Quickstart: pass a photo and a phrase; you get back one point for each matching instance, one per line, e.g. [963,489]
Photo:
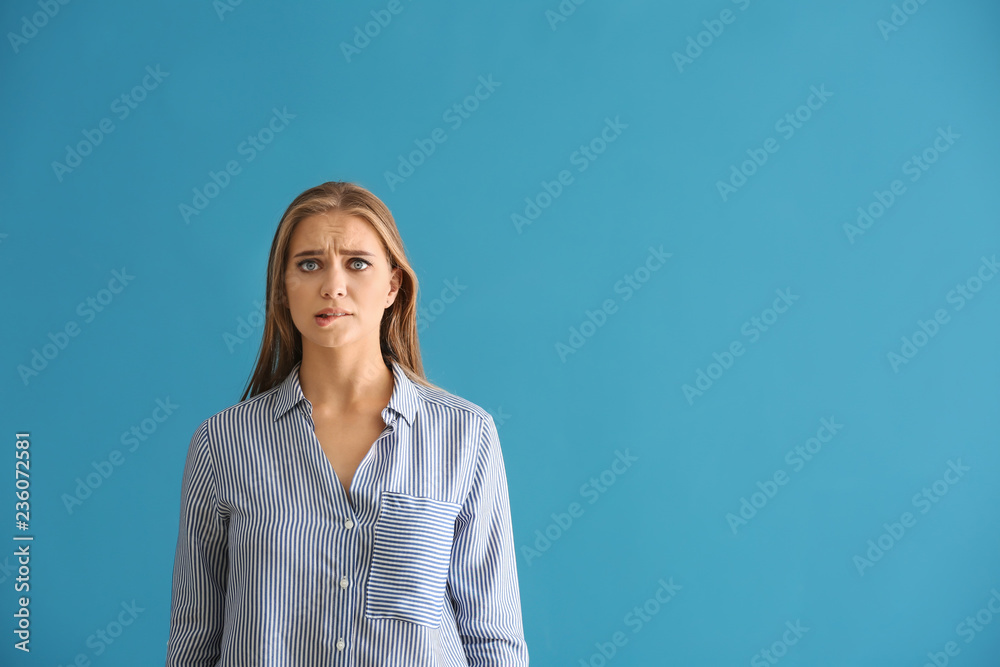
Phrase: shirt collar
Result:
[404,399]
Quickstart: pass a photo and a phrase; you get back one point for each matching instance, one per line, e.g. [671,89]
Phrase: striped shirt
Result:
[275,566]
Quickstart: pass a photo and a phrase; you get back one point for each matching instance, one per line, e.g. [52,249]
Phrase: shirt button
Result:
[343,582]
[348,524]
[340,644]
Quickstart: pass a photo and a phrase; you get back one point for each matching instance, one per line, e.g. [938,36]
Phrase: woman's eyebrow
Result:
[307,253]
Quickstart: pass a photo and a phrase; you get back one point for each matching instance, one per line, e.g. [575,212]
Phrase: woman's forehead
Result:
[334,230]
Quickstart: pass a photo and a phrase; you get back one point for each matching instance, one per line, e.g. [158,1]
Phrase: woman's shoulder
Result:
[440,402]
[245,413]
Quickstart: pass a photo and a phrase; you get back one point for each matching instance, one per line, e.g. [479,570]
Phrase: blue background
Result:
[168,334]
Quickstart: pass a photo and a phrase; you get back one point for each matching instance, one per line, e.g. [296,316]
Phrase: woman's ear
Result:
[395,280]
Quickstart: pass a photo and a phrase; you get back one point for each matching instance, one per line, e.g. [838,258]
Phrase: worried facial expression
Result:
[338,280]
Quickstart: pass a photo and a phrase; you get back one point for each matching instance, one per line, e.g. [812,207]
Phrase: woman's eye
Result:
[311,265]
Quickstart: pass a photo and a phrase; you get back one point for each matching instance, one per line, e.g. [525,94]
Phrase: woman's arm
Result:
[482,577]
[197,610]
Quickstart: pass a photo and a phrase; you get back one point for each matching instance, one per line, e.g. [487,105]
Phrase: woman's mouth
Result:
[327,319]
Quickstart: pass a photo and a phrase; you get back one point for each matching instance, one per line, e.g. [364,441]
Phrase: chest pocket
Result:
[411,554]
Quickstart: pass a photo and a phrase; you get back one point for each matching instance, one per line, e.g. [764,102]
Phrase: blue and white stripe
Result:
[276,567]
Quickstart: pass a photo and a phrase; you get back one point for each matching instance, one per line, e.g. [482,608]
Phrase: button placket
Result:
[350,541]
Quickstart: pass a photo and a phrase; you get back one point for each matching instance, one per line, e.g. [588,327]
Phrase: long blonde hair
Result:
[281,344]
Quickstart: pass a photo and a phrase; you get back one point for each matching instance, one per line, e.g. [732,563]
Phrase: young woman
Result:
[346,511]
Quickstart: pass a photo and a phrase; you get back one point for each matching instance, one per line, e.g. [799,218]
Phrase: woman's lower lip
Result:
[327,321]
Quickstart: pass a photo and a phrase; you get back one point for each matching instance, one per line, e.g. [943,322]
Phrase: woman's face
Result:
[337,261]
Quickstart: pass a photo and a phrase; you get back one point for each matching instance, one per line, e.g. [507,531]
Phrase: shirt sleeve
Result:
[197,608]
[482,577]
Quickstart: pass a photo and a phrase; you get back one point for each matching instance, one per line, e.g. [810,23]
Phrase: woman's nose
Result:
[334,278]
